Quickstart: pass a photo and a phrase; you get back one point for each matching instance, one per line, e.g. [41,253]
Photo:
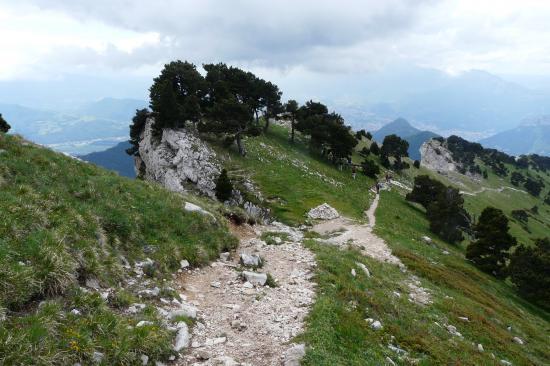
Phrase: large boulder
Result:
[179,161]
[323,212]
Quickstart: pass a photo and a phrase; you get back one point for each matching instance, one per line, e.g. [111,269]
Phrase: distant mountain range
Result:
[402,128]
[92,127]
[114,158]
[532,136]
[471,104]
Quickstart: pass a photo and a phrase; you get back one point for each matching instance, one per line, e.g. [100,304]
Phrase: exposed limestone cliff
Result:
[437,157]
[181,161]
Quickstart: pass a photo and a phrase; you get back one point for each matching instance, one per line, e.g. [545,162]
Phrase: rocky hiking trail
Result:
[239,319]
[342,232]
[248,305]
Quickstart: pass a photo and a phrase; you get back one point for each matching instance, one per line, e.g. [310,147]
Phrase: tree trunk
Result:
[266,126]
[240,144]
[257,117]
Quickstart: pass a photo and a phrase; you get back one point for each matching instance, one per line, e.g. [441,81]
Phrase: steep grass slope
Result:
[66,224]
[480,307]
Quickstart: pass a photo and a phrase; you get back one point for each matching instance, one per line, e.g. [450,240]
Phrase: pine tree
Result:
[489,251]
[224,187]
[529,270]
[370,168]
[374,148]
[136,128]
[4,126]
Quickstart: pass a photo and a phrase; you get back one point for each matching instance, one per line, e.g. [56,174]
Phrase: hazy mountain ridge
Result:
[114,158]
[402,128]
[92,127]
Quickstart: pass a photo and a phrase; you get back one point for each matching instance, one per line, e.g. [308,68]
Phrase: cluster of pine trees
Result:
[232,103]
[492,246]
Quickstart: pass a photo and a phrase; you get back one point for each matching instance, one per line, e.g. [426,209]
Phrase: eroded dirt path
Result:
[241,324]
[343,232]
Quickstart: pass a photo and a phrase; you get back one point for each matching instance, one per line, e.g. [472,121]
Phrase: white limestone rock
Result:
[182,337]
[323,212]
[294,355]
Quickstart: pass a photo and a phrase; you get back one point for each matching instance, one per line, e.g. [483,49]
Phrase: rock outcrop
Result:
[436,156]
[180,161]
[323,212]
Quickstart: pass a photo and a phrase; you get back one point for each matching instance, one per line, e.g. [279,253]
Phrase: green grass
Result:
[292,180]
[64,221]
[336,331]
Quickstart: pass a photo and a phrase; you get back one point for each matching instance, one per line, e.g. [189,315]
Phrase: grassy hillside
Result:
[337,333]
[65,222]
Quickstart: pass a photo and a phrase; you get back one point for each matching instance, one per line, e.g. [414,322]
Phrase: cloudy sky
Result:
[286,41]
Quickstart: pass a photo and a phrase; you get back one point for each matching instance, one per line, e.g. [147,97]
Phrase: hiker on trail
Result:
[387,177]
[353,171]
[377,188]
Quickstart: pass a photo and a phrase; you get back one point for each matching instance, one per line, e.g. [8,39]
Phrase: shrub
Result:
[374,148]
[533,187]
[224,187]
[370,168]
[489,251]
[4,126]
[520,215]
[517,178]
[529,270]
[416,164]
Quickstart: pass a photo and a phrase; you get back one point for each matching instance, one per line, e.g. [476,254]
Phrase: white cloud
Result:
[43,38]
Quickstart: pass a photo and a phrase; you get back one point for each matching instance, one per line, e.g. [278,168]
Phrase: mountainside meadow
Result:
[68,227]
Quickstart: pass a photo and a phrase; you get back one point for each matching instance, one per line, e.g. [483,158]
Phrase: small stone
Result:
[505,363]
[390,361]
[224,256]
[294,355]
[182,337]
[184,264]
[376,325]
[186,310]
[202,354]
[480,347]
[464,319]
[518,340]
[143,323]
[363,268]
[215,284]
[250,260]
[97,357]
[277,240]
[427,239]
[144,360]
[248,285]
[224,361]
[92,283]
[255,278]
[75,312]
[353,272]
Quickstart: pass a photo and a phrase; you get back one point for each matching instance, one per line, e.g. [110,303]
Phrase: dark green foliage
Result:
[447,216]
[416,164]
[4,126]
[489,250]
[485,175]
[224,187]
[385,161]
[365,151]
[327,131]
[444,207]
[136,128]
[360,134]
[520,215]
[374,148]
[425,190]
[535,209]
[395,146]
[369,136]
[370,168]
[269,100]
[517,178]
[533,187]
[176,95]
[547,199]
[291,107]
[529,270]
